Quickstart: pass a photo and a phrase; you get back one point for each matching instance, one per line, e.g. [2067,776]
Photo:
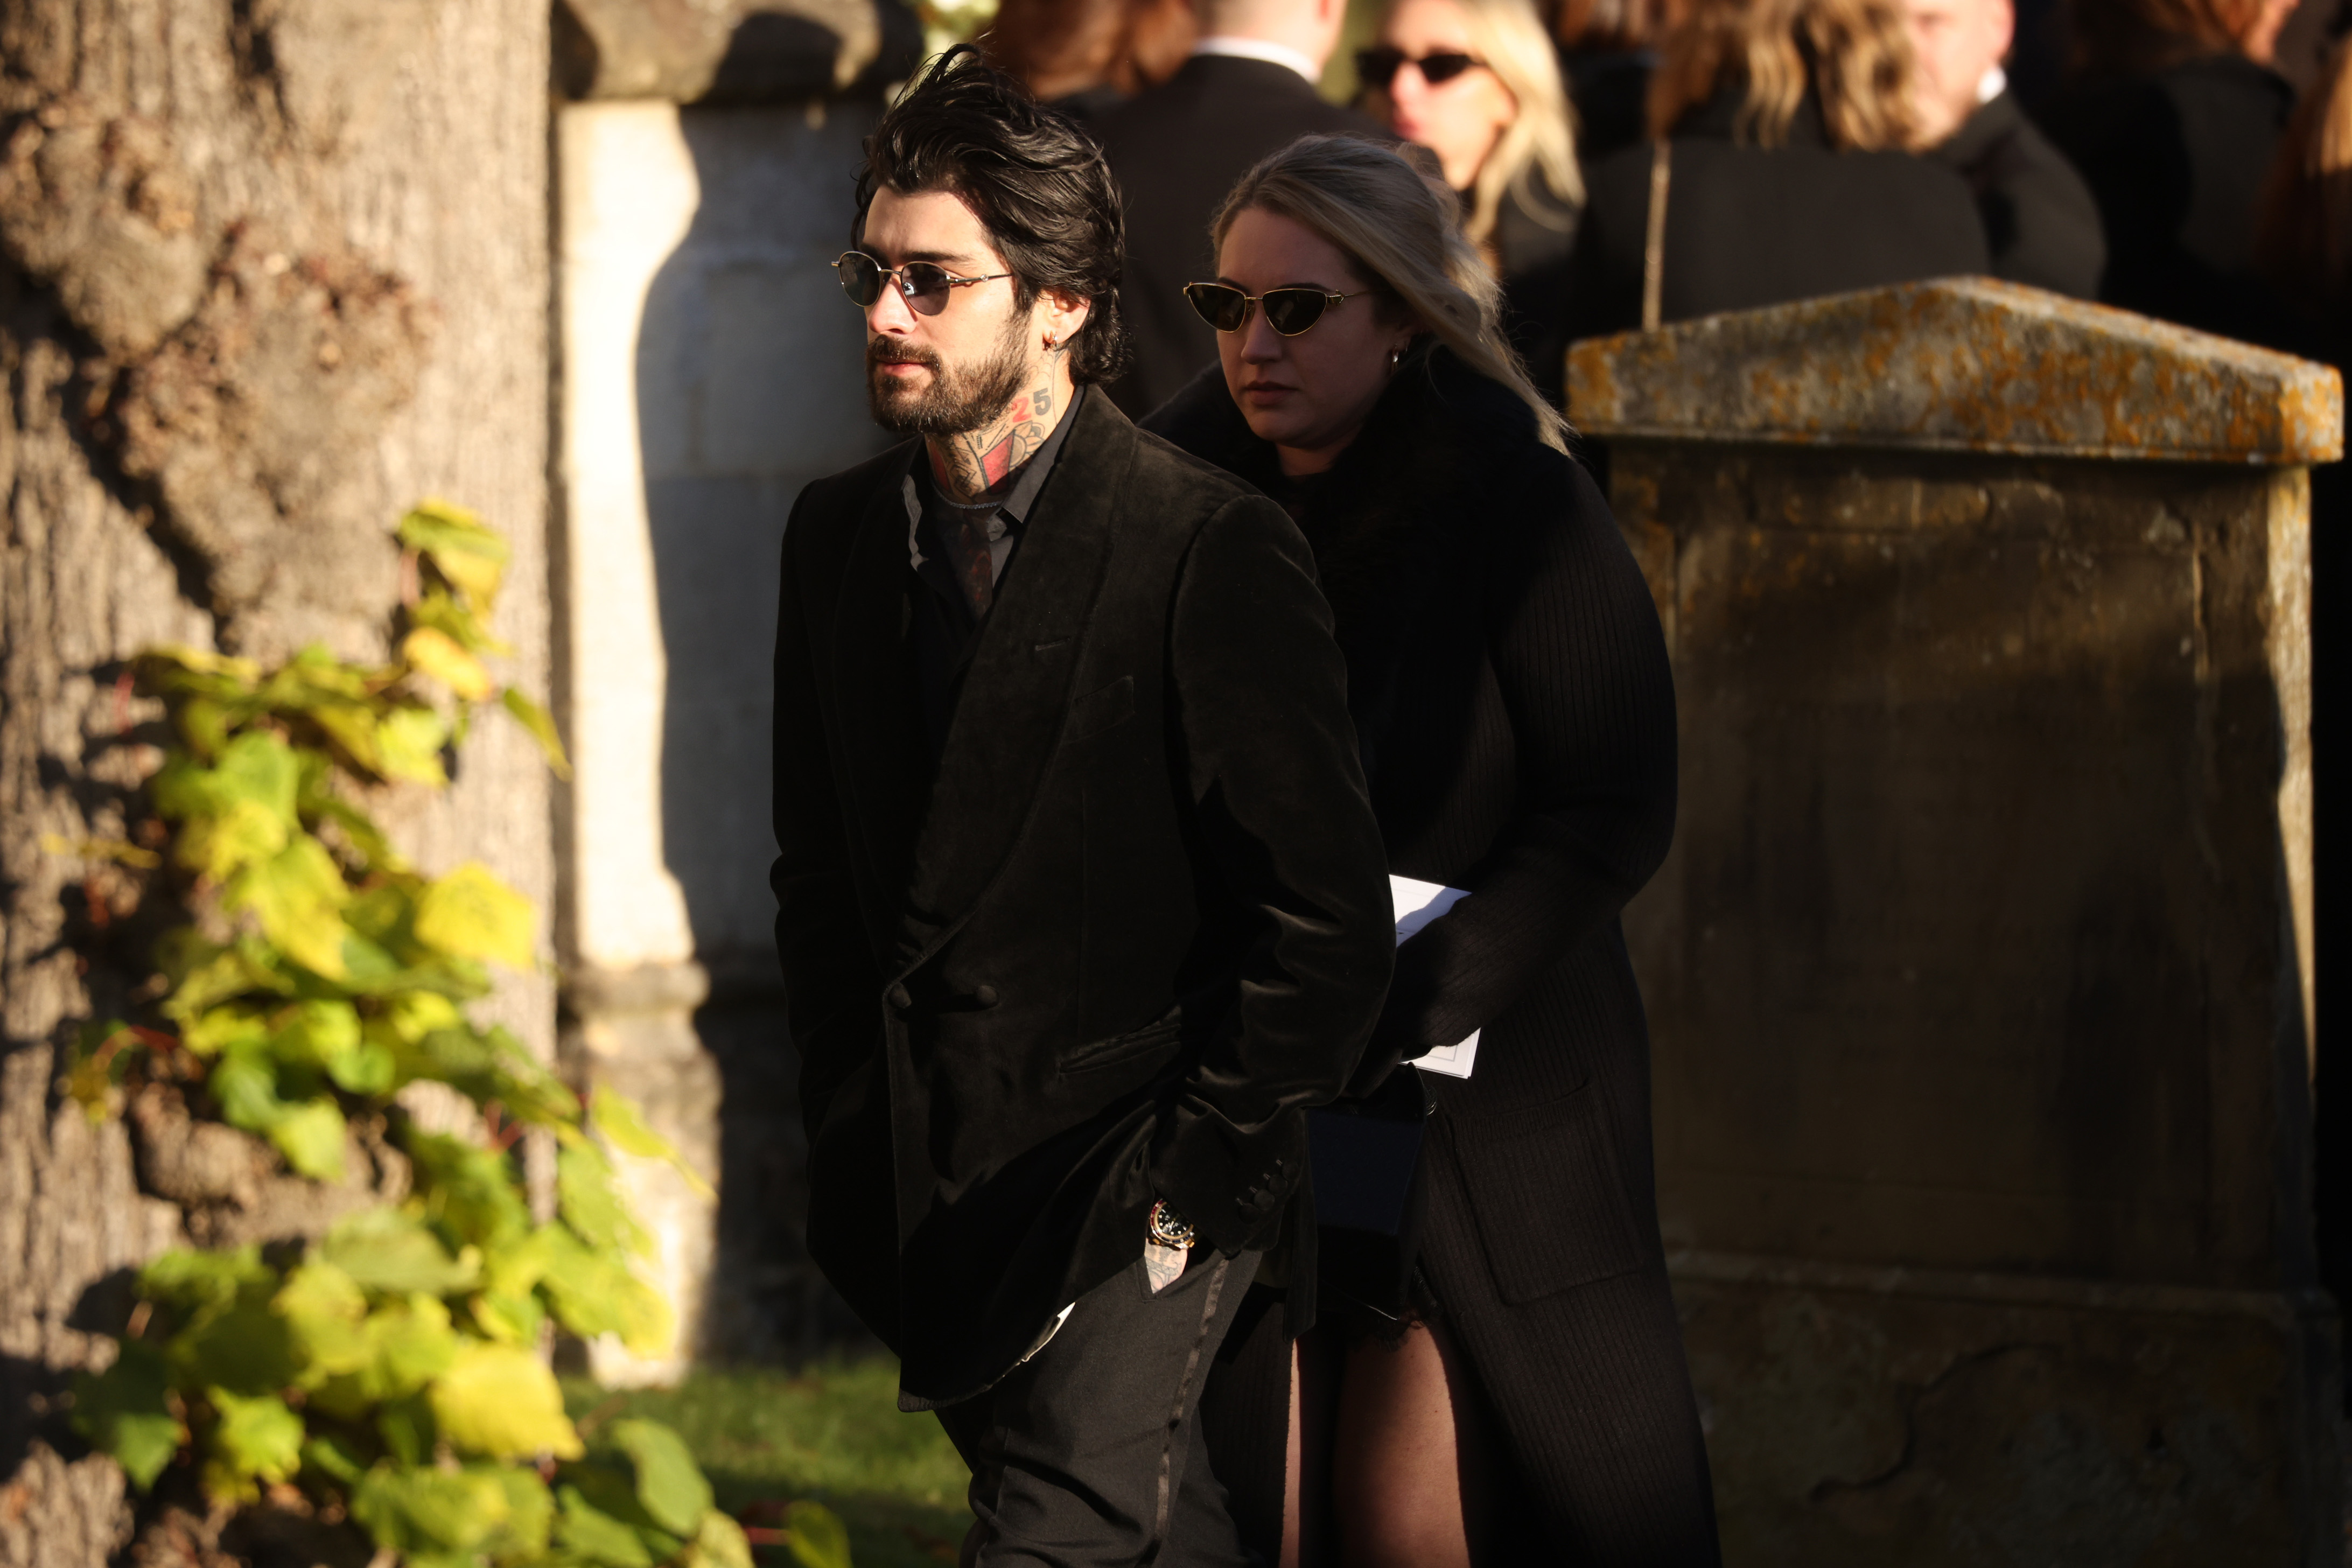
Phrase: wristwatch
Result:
[1168,1229]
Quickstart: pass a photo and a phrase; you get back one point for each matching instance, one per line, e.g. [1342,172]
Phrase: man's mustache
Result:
[884,351]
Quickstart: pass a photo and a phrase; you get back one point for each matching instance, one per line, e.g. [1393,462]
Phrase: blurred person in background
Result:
[1606,53]
[1780,173]
[1477,82]
[1176,150]
[2039,221]
[1082,57]
[2173,115]
[1516,1394]
[2303,239]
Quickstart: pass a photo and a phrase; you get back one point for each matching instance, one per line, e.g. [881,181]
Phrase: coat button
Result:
[899,997]
[986,995]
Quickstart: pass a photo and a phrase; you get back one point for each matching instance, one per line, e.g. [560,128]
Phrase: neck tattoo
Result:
[969,466]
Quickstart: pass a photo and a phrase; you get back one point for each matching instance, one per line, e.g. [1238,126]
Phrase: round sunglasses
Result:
[1289,312]
[924,285]
[1377,68]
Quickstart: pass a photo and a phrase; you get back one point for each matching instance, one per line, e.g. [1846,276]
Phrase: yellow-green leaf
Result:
[121,851]
[126,1411]
[501,1401]
[422,1511]
[542,726]
[326,1313]
[256,1438]
[408,745]
[469,913]
[437,654]
[616,1118]
[471,556]
[396,1253]
[311,1135]
[815,1536]
[298,896]
[218,848]
[721,1542]
[669,1484]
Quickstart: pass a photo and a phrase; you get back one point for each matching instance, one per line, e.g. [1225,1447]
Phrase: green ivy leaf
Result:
[471,556]
[437,654]
[328,1455]
[326,1314]
[311,1135]
[246,1348]
[226,1028]
[617,1118]
[414,1510]
[585,1198]
[500,1400]
[245,833]
[298,895]
[126,1411]
[256,1439]
[593,1292]
[815,1536]
[669,1484]
[395,1253]
[721,1542]
[469,913]
[408,1345]
[469,1192]
[188,1281]
[316,1034]
[541,728]
[593,1535]
[410,740]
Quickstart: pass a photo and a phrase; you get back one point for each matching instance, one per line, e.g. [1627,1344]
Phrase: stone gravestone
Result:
[1980,976]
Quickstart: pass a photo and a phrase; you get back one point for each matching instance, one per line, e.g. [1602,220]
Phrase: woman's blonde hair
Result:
[1510,38]
[1855,56]
[1401,227]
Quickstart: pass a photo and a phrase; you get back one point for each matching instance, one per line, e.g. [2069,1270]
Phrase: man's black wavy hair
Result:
[1036,183]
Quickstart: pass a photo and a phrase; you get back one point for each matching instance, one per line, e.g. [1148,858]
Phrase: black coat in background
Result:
[1512,696]
[2040,219]
[2176,158]
[1133,923]
[1177,150]
[1536,248]
[1748,226]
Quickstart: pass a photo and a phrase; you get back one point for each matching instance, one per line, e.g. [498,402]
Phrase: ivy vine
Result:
[389,1371]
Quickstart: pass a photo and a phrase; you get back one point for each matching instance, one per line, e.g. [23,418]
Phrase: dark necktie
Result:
[975,571]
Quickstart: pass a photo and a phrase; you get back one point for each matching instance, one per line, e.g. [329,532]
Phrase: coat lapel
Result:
[886,775]
[1016,694]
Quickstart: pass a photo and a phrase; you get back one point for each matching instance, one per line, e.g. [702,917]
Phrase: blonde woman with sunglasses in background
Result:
[1494,1373]
[1477,83]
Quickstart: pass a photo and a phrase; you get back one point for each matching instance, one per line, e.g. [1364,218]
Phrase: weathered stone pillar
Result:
[708,368]
[1979,977]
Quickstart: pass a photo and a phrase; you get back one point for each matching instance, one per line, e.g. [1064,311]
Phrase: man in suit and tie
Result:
[1178,148]
[1080,899]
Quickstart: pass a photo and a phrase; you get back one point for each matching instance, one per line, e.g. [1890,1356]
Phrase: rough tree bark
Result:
[268,270]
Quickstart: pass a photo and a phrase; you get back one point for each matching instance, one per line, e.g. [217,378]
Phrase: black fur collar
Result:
[1415,487]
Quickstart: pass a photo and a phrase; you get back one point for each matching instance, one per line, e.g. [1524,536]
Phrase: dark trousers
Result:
[1088,1454]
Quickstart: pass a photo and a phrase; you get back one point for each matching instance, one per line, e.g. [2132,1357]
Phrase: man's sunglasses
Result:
[1377,68]
[1289,312]
[924,285]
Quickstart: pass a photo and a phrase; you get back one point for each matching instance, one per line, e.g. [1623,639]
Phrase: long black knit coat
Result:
[1516,713]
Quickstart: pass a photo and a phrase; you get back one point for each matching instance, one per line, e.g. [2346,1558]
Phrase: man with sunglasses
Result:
[1080,899]
[1177,149]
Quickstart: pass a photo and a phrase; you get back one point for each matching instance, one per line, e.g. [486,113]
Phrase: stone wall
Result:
[709,367]
[1979,976]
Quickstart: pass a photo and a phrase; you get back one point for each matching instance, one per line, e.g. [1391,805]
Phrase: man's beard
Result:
[957,400]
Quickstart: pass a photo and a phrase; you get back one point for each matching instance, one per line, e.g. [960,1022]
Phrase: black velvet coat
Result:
[1512,695]
[1136,921]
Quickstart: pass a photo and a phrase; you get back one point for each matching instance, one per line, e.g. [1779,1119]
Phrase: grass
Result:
[831,1431]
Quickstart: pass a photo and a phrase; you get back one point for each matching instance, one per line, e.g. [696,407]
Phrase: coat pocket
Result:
[1152,1040]
[1549,1196]
[1104,708]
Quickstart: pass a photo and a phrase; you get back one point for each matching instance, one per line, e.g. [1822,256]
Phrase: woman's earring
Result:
[1396,358]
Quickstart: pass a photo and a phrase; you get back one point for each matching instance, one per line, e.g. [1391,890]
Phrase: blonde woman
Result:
[1776,171]
[1477,83]
[1496,1375]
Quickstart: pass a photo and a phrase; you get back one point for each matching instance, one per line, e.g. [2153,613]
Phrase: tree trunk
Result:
[270,270]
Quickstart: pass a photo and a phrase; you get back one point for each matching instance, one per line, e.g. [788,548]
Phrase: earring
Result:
[1396,358]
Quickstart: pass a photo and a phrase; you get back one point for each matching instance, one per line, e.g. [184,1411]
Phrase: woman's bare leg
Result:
[1408,1455]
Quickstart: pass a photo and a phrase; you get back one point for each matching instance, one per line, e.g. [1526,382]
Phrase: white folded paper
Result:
[1417,904]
